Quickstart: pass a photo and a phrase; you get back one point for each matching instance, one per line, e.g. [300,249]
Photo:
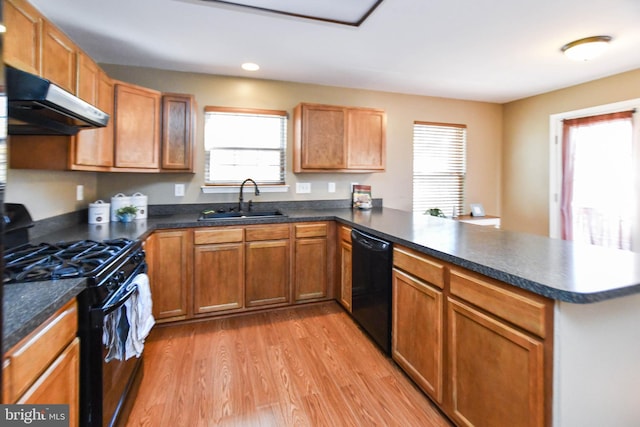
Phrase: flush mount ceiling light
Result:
[352,12]
[587,48]
[250,66]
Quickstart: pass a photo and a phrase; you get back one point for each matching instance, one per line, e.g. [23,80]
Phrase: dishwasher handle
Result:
[370,242]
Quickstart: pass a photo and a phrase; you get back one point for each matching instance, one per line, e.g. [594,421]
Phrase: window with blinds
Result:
[439,167]
[244,143]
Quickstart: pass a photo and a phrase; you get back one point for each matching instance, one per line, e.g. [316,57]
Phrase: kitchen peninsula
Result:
[594,293]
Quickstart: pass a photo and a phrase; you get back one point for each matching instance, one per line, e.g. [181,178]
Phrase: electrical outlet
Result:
[352,184]
[178,190]
[331,187]
[303,187]
[80,192]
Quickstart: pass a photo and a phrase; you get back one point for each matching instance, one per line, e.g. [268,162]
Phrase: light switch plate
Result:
[303,187]
[331,188]
[80,192]
[179,190]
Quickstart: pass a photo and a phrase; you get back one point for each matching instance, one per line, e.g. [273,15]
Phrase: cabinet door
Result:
[87,81]
[366,136]
[59,384]
[93,148]
[137,127]
[496,372]
[168,258]
[417,332]
[345,275]
[218,277]
[310,269]
[22,40]
[177,132]
[58,57]
[267,272]
[320,141]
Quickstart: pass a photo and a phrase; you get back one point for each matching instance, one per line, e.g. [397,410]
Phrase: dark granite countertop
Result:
[553,268]
[27,305]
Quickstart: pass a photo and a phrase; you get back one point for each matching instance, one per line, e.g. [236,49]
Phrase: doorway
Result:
[594,180]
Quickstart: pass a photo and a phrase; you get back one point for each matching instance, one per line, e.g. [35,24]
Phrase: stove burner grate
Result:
[61,260]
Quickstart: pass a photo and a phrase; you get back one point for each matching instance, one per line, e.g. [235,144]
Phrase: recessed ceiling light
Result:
[250,66]
[587,48]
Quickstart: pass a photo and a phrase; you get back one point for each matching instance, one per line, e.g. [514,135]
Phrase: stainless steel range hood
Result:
[39,107]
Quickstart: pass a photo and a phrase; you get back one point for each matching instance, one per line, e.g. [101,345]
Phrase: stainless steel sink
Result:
[209,215]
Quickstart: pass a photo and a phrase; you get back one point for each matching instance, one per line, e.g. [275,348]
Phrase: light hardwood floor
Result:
[304,366]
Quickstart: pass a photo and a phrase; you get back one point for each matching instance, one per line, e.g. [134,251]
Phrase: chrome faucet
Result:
[240,199]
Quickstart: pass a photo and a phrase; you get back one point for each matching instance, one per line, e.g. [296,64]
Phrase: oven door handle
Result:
[98,314]
[109,308]
[131,287]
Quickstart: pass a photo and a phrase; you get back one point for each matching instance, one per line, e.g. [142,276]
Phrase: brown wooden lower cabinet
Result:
[417,344]
[344,266]
[169,260]
[218,281]
[311,269]
[267,273]
[43,368]
[207,271]
[311,261]
[59,384]
[481,349]
[496,372]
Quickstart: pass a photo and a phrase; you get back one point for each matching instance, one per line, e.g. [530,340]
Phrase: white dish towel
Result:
[140,317]
[111,337]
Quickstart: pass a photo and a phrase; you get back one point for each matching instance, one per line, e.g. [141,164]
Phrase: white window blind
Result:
[439,167]
[244,143]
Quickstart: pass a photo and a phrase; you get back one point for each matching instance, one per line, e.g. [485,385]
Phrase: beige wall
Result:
[484,121]
[525,155]
[49,193]
[508,151]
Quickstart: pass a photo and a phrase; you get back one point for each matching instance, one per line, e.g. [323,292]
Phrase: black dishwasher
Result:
[371,286]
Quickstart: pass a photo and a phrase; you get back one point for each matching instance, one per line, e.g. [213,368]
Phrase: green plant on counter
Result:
[132,210]
[435,212]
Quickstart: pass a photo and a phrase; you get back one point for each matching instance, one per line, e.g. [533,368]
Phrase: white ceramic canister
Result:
[118,201]
[98,212]
[139,200]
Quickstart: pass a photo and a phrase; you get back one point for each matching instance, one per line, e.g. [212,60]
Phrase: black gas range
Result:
[111,268]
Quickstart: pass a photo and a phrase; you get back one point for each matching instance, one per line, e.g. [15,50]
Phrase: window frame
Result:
[211,186]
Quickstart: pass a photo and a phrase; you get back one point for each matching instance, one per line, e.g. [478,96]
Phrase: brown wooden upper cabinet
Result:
[35,45]
[338,139]
[147,132]
[23,36]
[177,131]
[93,149]
[137,127]
[58,57]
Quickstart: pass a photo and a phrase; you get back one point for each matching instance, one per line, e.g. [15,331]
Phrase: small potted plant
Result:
[435,212]
[127,213]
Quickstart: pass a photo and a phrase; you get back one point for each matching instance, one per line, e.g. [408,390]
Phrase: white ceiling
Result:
[491,50]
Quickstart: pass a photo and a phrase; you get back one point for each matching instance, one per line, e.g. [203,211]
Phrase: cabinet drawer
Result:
[271,232]
[31,357]
[345,234]
[311,230]
[225,235]
[526,311]
[419,265]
